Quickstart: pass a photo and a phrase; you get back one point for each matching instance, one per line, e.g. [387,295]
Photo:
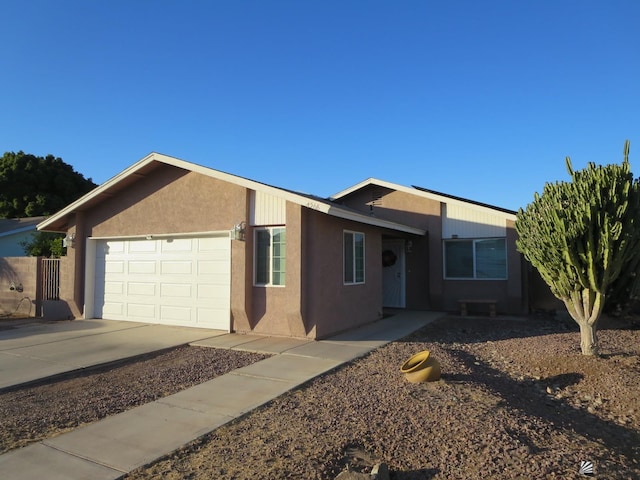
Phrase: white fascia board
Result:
[243,182]
[358,186]
[44,224]
[420,193]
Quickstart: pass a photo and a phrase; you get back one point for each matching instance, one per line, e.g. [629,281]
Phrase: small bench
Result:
[464,311]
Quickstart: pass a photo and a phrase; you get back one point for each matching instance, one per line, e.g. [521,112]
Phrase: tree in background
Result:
[32,186]
[583,236]
[44,244]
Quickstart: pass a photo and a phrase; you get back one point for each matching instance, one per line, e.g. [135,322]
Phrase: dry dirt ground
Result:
[516,401]
[31,414]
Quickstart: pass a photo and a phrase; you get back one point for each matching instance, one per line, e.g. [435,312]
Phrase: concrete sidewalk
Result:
[109,448]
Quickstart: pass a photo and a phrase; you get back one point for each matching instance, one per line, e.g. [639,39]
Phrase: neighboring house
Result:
[13,231]
[167,241]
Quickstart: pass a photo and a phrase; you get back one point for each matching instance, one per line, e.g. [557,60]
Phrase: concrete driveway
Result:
[36,350]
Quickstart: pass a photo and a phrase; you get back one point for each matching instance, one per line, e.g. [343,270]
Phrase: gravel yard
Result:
[516,401]
[33,413]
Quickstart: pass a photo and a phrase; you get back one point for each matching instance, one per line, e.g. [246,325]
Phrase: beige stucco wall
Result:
[333,306]
[24,274]
[278,310]
[70,307]
[169,200]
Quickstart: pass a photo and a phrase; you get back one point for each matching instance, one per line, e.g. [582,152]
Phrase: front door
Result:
[393,278]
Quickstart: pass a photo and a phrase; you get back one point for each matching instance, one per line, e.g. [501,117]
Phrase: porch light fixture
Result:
[69,240]
[239,231]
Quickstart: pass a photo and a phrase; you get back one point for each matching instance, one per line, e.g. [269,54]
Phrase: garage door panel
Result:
[211,267]
[178,245]
[207,316]
[114,288]
[176,267]
[183,281]
[142,247]
[173,314]
[220,279]
[181,290]
[146,289]
[213,292]
[112,308]
[209,244]
[216,255]
[137,267]
[113,247]
[114,267]
[141,310]
[217,303]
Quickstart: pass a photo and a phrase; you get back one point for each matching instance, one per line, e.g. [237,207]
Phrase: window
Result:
[270,258]
[484,259]
[353,257]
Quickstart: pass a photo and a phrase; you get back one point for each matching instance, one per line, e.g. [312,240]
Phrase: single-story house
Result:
[168,241]
[14,231]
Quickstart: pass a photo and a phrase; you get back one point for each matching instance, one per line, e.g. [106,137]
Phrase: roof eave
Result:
[423,192]
[376,222]
[57,222]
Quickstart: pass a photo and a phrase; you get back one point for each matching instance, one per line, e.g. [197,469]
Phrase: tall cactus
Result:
[582,236]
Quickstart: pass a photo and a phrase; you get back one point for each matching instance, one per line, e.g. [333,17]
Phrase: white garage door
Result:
[180,281]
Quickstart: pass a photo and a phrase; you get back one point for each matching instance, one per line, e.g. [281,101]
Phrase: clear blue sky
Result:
[479,99]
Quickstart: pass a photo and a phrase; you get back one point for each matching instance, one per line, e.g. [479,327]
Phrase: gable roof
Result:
[59,221]
[423,192]
[11,226]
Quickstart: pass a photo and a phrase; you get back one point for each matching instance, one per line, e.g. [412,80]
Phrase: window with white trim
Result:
[269,258]
[353,244]
[478,259]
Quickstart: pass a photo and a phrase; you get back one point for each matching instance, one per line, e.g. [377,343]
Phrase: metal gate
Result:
[50,279]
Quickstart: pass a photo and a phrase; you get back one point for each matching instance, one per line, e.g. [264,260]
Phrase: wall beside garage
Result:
[280,310]
[20,286]
[330,305]
[169,200]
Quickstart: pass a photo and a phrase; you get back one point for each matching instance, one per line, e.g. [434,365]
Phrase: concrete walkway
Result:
[109,448]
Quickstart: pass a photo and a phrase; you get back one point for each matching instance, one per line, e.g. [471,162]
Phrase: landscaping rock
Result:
[380,471]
